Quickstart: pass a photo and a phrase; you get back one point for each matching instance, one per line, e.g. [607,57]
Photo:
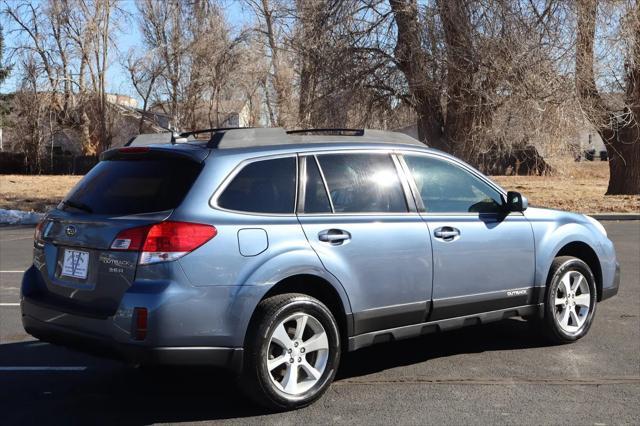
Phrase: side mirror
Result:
[516,202]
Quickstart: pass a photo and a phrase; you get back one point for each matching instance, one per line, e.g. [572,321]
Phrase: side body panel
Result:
[489,266]
[385,267]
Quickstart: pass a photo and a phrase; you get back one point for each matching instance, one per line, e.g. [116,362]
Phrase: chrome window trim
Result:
[415,194]
[302,183]
[416,214]
[213,200]
[461,165]
[404,181]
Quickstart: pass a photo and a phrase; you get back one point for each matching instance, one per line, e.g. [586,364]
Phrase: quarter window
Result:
[267,186]
[363,183]
[447,188]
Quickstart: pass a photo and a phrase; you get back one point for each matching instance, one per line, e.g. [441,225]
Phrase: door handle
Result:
[334,236]
[447,233]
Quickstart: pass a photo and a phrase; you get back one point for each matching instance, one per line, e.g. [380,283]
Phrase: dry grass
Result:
[37,193]
[576,187]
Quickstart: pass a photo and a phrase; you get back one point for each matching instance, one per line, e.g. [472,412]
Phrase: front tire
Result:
[570,301]
[292,352]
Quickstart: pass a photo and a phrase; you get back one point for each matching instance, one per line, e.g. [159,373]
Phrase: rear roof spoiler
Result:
[155,151]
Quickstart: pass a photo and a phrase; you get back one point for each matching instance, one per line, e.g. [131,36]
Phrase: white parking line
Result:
[8,240]
[21,368]
[9,304]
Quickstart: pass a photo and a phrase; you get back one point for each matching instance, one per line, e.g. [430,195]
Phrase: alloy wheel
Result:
[297,354]
[572,301]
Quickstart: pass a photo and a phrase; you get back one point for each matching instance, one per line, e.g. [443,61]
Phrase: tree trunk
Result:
[278,83]
[460,70]
[618,129]
[623,151]
[413,62]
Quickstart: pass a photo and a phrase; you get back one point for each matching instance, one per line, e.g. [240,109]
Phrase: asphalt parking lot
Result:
[501,373]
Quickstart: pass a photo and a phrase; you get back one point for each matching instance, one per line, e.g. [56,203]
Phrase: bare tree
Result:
[420,70]
[273,17]
[65,41]
[144,72]
[619,126]
[196,56]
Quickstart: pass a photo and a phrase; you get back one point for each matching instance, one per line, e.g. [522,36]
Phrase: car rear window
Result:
[124,187]
[265,186]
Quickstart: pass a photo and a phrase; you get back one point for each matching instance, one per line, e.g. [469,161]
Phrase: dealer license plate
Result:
[75,264]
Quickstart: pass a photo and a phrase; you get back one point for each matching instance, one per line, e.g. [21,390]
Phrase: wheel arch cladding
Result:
[318,288]
[584,252]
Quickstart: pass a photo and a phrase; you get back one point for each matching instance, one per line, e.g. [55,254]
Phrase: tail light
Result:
[39,233]
[164,241]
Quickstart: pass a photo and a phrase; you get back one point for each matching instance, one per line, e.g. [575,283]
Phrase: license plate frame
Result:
[75,264]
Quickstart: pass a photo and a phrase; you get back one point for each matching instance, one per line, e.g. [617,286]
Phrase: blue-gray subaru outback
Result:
[270,252]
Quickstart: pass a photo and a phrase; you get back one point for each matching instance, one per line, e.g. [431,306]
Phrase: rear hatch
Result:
[130,188]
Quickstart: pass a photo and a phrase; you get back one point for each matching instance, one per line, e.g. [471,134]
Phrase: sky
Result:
[239,15]
[127,38]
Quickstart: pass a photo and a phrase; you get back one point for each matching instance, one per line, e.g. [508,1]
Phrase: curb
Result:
[615,216]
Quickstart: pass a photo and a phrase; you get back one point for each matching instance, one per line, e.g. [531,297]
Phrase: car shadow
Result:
[108,392]
[510,334]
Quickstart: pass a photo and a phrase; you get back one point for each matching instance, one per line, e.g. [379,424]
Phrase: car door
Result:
[355,213]
[483,258]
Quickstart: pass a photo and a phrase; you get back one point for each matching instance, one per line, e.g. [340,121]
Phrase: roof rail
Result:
[245,137]
[220,129]
[333,132]
[182,137]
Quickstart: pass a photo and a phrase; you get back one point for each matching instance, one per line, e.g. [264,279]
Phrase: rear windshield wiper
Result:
[77,205]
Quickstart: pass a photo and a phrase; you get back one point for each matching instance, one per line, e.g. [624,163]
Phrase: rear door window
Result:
[363,183]
[265,186]
[125,187]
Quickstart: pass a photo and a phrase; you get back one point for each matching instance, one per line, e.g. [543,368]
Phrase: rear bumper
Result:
[611,291]
[186,325]
[97,345]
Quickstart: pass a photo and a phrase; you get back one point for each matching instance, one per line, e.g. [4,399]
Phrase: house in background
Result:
[66,140]
[590,145]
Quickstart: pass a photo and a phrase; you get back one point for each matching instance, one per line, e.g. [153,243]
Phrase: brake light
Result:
[38,235]
[134,149]
[164,241]
[130,239]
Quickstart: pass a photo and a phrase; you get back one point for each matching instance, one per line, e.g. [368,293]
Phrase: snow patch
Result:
[19,217]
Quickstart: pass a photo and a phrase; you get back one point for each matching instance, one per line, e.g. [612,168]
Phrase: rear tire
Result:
[292,352]
[570,300]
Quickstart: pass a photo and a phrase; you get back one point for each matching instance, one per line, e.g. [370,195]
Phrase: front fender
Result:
[553,230]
